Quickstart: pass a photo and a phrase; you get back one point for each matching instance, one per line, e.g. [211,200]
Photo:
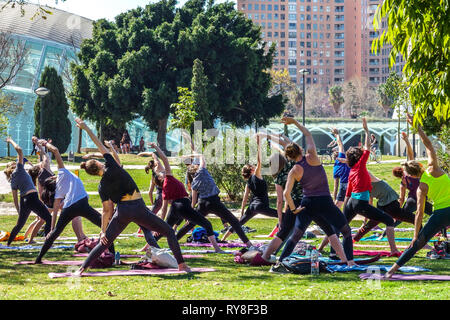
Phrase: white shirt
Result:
[69,187]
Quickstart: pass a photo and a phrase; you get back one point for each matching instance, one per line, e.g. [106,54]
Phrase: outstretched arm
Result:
[340,143]
[409,149]
[258,157]
[432,157]
[17,148]
[366,130]
[110,145]
[55,152]
[82,125]
[310,145]
[280,139]
[163,157]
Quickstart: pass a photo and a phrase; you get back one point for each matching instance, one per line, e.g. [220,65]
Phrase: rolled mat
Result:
[384,268]
[372,253]
[146,272]
[405,277]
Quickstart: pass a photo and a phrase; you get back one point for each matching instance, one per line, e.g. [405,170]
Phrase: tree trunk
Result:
[162,135]
[80,137]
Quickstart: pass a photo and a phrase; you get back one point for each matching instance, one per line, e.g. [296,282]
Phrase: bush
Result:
[444,153]
[228,178]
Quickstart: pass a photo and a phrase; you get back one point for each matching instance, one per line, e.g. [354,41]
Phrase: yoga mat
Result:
[146,272]
[187,256]
[332,262]
[372,253]
[375,238]
[30,247]
[376,246]
[405,277]
[209,245]
[384,268]
[208,251]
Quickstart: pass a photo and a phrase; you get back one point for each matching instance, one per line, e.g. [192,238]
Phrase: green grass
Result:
[230,281]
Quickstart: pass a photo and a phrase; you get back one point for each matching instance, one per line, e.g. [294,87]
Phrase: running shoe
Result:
[279,268]
[247,229]
[224,230]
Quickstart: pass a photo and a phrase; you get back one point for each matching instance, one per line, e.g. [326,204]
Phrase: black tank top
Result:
[258,187]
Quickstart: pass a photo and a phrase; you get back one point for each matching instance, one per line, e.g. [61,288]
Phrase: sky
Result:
[97,9]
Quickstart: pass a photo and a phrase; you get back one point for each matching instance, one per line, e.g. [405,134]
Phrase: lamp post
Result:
[303,72]
[41,92]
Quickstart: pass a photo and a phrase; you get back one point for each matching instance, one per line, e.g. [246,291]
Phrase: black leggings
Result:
[394,210]
[29,203]
[181,208]
[328,217]
[362,207]
[157,204]
[135,211]
[411,206]
[257,208]
[439,219]
[80,208]
[215,206]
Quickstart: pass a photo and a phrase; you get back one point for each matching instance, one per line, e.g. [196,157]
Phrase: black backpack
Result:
[299,265]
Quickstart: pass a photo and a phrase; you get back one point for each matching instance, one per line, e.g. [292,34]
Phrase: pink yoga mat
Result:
[225,245]
[187,256]
[376,246]
[405,277]
[382,253]
[147,272]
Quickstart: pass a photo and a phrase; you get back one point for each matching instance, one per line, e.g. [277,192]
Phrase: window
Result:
[292,44]
[292,34]
[269,7]
[292,26]
[292,7]
[263,7]
[249,15]
[302,8]
[25,76]
[292,62]
[292,53]
[269,16]
[275,7]
[256,6]
[256,16]
[292,16]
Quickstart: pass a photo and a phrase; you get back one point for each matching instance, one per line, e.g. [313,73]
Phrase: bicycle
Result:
[375,155]
[325,155]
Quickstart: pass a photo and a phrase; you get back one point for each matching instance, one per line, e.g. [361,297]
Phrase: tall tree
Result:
[421,34]
[132,67]
[390,92]
[336,98]
[56,124]
[199,85]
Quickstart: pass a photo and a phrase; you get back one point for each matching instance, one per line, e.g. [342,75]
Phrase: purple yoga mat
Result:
[61,263]
[186,256]
[405,277]
[226,245]
[129,273]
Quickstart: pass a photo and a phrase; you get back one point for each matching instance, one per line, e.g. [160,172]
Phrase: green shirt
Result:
[281,179]
[438,190]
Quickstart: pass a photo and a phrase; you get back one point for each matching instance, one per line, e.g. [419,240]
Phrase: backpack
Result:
[105,260]
[199,235]
[299,265]
[86,245]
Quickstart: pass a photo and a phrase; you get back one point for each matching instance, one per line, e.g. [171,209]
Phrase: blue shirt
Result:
[204,184]
[21,180]
[341,170]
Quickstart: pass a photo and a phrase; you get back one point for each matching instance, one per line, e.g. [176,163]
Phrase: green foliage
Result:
[444,155]
[184,115]
[420,32]
[56,124]
[382,144]
[8,108]
[199,85]
[229,179]
[392,93]
[336,98]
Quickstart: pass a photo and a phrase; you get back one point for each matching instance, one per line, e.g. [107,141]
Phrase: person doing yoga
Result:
[340,172]
[359,187]
[434,183]
[67,188]
[259,202]
[175,193]
[29,200]
[317,204]
[117,187]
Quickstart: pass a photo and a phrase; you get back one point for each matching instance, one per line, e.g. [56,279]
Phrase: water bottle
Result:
[314,262]
[117,258]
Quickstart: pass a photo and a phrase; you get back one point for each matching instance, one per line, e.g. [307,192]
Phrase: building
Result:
[330,38]
[50,42]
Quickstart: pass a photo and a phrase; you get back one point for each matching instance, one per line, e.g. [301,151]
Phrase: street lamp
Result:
[41,92]
[303,72]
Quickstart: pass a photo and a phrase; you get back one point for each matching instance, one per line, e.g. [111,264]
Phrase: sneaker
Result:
[224,230]
[279,268]
[253,248]
[334,257]
[247,229]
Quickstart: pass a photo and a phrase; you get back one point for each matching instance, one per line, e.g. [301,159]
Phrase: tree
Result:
[421,34]
[335,98]
[56,124]
[316,103]
[185,114]
[132,67]
[41,10]
[12,57]
[390,92]
[199,85]
[8,108]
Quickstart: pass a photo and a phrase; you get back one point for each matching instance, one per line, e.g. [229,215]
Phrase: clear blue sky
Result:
[97,9]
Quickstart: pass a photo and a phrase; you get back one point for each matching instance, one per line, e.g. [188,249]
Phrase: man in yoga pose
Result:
[67,188]
[29,200]
[117,187]
[317,203]
[435,184]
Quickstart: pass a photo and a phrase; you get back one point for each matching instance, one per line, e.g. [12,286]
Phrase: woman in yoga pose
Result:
[175,193]
[259,202]
[340,172]
[317,204]
[434,183]
[359,187]
[69,189]
[29,200]
[117,187]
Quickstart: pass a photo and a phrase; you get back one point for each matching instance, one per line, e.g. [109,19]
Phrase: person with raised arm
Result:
[317,204]
[117,187]
[259,202]
[68,189]
[174,192]
[29,201]
[340,172]
[434,183]
[359,187]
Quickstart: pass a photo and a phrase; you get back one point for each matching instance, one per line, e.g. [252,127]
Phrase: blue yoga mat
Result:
[384,268]
[375,238]
[30,247]
[332,261]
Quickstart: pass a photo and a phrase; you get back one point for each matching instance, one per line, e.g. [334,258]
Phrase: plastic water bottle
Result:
[117,258]
[314,262]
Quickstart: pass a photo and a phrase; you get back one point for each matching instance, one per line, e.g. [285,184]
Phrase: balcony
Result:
[339,45]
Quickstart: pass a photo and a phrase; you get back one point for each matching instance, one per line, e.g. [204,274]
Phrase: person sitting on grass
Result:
[434,183]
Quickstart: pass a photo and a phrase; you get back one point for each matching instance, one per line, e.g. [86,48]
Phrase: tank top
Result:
[411,184]
[314,180]
[438,190]
[258,187]
[173,189]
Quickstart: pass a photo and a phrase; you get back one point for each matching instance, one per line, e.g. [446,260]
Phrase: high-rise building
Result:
[330,38]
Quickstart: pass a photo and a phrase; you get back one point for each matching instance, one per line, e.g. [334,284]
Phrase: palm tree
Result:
[336,98]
